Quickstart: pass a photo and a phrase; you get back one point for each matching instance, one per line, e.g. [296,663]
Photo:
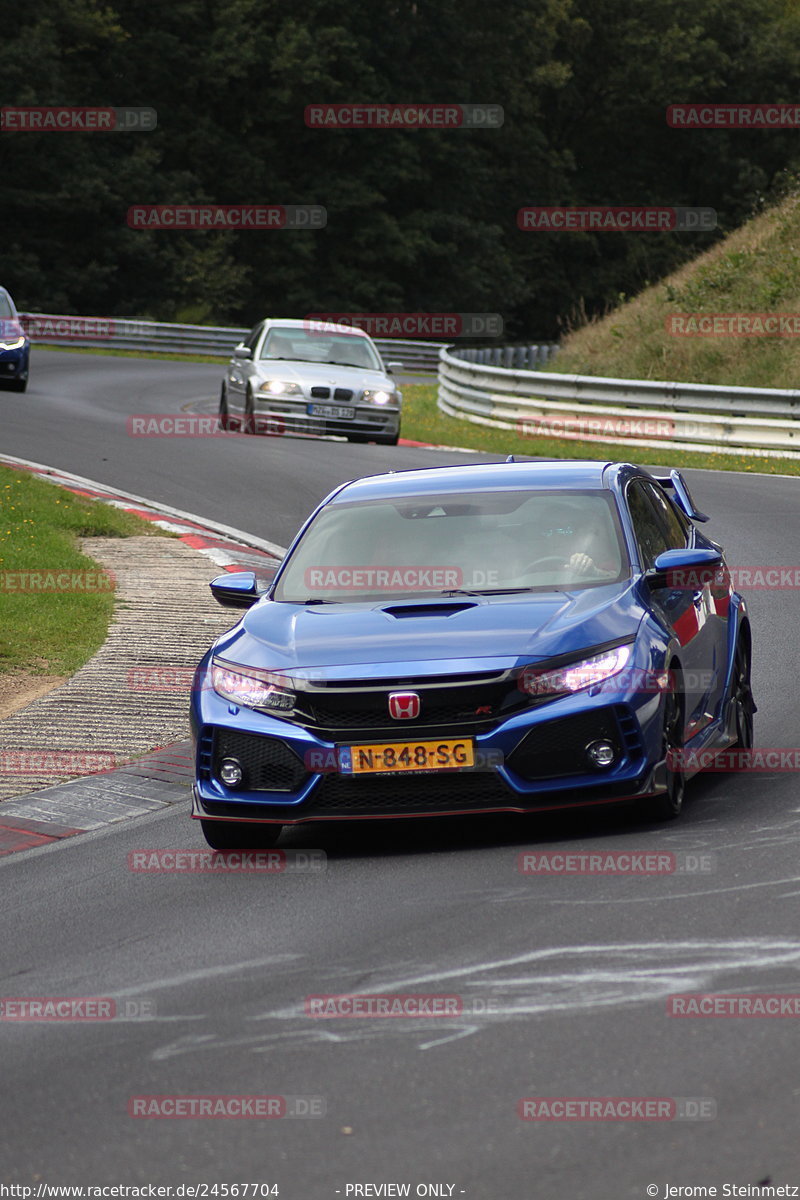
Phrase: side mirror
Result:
[242,351]
[237,589]
[394,366]
[687,569]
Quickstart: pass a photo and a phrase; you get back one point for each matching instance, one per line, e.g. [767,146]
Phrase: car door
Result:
[683,610]
[239,371]
[710,603]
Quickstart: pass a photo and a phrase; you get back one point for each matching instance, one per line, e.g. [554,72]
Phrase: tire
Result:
[14,385]
[668,805]
[224,416]
[249,419]
[742,695]
[389,439]
[240,835]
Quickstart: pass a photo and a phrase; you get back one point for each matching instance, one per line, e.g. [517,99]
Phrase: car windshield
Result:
[486,542]
[5,306]
[306,345]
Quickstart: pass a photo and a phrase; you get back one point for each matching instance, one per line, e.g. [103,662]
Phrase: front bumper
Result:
[14,363]
[533,762]
[281,415]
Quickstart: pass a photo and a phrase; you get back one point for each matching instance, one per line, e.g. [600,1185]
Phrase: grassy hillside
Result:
[754,270]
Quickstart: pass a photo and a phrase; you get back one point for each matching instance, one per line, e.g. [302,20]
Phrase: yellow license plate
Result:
[394,757]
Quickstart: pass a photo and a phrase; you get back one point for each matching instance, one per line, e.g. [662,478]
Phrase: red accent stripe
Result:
[686,626]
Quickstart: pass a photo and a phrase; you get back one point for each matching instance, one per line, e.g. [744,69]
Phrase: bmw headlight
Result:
[280,387]
[573,677]
[12,345]
[251,688]
[378,396]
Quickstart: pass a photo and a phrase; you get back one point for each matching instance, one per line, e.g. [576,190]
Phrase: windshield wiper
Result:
[483,591]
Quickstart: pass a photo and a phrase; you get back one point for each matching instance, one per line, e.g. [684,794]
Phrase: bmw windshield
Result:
[306,345]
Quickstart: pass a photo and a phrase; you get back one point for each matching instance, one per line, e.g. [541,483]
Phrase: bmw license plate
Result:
[331,410]
[394,757]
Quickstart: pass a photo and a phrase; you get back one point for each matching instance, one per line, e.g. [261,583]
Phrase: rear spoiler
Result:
[676,483]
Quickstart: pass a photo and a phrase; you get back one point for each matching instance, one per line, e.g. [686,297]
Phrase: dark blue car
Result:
[15,347]
[491,638]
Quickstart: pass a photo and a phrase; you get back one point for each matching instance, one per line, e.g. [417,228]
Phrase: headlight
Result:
[575,676]
[12,345]
[280,387]
[378,396]
[252,689]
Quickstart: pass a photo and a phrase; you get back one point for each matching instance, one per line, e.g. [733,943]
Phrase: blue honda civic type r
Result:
[508,637]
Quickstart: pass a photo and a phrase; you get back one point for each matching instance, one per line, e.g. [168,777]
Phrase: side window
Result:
[650,533]
[677,530]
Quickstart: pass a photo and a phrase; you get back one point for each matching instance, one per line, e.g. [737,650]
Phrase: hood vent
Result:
[446,609]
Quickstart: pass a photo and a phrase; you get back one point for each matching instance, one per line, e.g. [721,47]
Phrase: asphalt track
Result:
[564,979]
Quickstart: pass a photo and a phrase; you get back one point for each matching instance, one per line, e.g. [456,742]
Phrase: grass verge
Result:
[423,422]
[47,632]
[752,271]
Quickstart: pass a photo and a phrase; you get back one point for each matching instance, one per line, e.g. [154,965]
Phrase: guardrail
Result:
[676,416]
[528,357]
[129,333]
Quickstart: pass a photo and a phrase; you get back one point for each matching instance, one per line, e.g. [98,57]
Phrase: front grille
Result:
[441,792]
[343,394]
[268,765]
[477,706]
[321,393]
[557,748]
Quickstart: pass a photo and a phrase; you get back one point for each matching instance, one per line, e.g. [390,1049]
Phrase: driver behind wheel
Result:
[584,543]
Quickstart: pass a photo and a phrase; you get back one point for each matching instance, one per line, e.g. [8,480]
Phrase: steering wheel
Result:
[558,559]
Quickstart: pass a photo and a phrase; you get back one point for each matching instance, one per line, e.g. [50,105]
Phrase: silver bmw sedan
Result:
[304,376]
